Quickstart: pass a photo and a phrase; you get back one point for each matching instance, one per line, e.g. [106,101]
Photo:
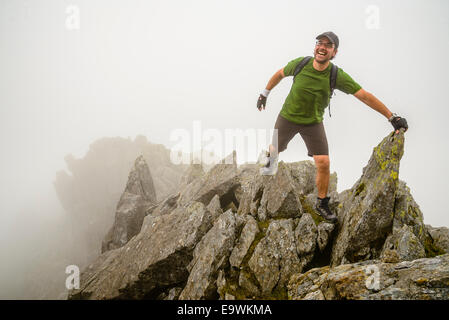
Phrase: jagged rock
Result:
[425,278]
[248,285]
[275,258]
[138,195]
[171,294]
[279,198]
[246,239]
[193,172]
[405,243]
[221,284]
[270,233]
[407,212]
[222,180]
[209,256]
[314,295]
[270,197]
[165,206]
[440,237]
[90,188]
[325,230]
[153,260]
[306,234]
[409,239]
[367,217]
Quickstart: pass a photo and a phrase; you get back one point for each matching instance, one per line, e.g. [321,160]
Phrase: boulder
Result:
[210,255]
[440,237]
[249,232]
[138,195]
[368,210]
[421,279]
[275,257]
[154,260]
[221,180]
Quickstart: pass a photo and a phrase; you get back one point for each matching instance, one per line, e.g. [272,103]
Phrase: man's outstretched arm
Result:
[275,79]
[374,103]
[371,101]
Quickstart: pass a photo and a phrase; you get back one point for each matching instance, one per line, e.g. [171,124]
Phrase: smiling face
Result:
[324,50]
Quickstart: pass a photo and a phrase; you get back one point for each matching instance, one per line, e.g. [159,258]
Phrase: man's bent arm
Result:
[275,79]
[371,101]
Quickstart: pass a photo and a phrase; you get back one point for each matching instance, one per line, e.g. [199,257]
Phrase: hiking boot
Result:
[271,167]
[264,158]
[322,206]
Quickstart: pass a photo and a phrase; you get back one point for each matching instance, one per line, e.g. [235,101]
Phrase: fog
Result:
[72,72]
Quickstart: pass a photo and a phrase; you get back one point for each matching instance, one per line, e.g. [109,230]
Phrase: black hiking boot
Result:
[322,206]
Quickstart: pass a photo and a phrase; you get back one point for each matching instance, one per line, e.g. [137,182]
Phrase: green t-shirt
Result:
[310,92]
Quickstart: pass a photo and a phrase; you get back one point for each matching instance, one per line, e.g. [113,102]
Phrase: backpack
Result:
[332,78]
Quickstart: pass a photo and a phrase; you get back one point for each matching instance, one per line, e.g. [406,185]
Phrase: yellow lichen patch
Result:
[394,175]
[421,281]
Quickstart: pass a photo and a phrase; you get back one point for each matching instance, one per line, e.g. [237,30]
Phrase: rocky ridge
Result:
[230,233]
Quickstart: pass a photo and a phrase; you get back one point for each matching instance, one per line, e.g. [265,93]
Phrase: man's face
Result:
[324,50]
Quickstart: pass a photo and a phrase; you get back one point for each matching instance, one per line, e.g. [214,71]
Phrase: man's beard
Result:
[321,61]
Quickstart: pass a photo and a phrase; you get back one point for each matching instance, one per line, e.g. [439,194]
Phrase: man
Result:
[303,112]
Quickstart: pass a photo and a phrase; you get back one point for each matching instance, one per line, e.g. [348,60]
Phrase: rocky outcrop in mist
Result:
[138,195]
[230,233]
[92,187]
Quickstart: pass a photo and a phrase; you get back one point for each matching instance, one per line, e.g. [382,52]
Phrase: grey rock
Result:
[425,278]
[275,258]
[314,295]
[221,180]
[156,258]
[164,207]
[246,239]
[194,171]
[306,234]
[440,237]
[270,197]
[325,230]
[248,285]
[229,297]
[407,246]
[209,256]
[369,209]
[138,195]
[407,212]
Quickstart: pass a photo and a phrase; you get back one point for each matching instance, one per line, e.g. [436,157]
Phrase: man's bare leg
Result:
[322,164]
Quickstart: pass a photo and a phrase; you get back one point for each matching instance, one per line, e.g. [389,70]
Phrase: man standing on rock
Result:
[303,110]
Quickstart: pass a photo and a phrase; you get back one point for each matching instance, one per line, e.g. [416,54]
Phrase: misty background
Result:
[73,72]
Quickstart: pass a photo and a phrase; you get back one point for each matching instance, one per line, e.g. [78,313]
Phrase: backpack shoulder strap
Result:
[333,78]
[333,83]
[300,66]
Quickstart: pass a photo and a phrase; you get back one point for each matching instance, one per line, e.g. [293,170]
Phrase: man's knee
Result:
[322,162]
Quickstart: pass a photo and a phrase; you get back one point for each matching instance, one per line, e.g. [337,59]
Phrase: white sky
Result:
[150,67]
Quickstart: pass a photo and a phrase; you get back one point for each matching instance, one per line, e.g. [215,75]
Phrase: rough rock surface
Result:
[138,195]
[233,234]
[368,210]
[210,255]
[275,258]
[440,237]
[423,279]
[154,260]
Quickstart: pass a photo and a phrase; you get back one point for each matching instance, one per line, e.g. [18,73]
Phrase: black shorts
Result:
[313,135]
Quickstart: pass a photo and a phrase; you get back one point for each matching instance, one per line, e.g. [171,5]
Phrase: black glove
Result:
[398,123]
[261,102]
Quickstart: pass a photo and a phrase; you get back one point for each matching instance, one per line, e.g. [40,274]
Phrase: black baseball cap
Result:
[331,36]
